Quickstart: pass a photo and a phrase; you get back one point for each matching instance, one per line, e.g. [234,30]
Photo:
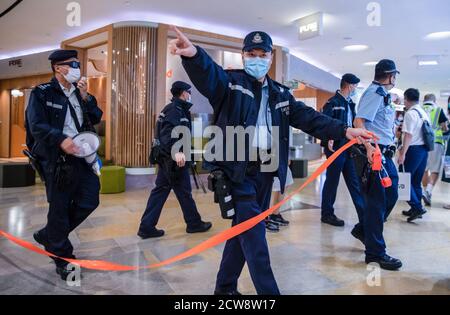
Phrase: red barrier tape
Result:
[212,242]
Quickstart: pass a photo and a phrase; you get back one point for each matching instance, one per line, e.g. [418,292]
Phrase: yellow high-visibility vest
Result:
[435,113]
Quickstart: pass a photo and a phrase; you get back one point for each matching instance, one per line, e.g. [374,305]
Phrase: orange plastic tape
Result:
[212,242]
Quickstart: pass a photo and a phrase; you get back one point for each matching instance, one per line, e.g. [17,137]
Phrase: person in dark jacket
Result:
[57,112]
[172,174]
[341,107]
[250,98]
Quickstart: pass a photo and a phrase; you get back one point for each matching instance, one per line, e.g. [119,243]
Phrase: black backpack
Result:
[427,133]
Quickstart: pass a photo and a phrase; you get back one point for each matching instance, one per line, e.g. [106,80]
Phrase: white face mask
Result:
[73,75]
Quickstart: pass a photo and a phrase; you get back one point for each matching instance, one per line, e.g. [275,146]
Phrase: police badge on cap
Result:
[258,40]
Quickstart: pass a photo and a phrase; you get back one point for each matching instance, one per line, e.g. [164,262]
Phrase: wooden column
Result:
[133,94]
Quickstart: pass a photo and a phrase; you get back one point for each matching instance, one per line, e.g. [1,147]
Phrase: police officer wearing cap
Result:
[377,114]
[243,98]
[341,107]
[172,173]
[56,113]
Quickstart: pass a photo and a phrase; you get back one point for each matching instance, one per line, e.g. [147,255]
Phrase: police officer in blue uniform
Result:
[251,98]
[377,114]
[341,107]
[56,113]
[172,173]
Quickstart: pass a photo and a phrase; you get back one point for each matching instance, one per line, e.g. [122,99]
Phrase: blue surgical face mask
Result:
[353,94]
[257,67]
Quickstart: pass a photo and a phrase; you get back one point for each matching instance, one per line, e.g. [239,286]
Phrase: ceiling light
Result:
[438,35]
[370,63]
[353,48]
[428,63]
[16,93]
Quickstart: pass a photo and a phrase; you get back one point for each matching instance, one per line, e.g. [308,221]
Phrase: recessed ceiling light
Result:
[370,63]
[438,35]
[428,63]
[353,48]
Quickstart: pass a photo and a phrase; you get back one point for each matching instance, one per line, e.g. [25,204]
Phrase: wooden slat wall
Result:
[5,104]
[134,94]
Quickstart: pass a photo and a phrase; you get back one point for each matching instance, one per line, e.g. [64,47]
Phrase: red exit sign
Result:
[16,63]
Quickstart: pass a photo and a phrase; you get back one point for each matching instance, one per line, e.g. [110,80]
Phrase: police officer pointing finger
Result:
[243,98]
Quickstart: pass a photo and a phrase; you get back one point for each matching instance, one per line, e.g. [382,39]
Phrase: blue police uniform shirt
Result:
[263,137]
[349,112]
[380,118]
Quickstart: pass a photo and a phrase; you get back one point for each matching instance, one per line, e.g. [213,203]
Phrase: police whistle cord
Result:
[212,242]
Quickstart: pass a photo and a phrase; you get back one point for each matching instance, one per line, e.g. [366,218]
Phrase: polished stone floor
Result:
[307,257]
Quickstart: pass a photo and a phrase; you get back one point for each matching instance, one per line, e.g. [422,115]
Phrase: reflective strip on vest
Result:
[438,133]
[241,89]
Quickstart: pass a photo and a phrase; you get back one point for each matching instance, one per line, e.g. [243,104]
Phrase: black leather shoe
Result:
[63,272]
[333,220]
[386,262]
[40,238]
[278,219]
[154,233]
[272,227]
[223,293]
[407,213]
[358,234]
[199,228]
[416,214]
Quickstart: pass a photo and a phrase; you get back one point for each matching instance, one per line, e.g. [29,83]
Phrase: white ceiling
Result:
[36,25]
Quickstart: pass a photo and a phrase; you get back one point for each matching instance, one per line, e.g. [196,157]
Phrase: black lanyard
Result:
[74,117]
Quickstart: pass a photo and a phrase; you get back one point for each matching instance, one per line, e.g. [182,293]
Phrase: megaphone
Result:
[88,144]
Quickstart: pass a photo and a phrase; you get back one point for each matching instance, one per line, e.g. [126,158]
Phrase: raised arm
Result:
[321,126]
[207,76]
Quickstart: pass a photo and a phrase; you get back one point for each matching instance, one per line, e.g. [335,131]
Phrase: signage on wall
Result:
[15,63]
[311,26]
[445,93]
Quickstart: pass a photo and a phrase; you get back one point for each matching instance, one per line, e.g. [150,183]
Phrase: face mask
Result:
[391,85]
[189,99]
[352,94]
[73,75]
[257,67]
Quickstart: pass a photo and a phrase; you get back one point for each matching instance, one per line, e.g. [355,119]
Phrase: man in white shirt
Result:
[414,155]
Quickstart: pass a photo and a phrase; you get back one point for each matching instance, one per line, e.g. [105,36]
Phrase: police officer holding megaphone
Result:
[63,144]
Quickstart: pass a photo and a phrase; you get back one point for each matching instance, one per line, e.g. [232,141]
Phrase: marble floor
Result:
[307,257]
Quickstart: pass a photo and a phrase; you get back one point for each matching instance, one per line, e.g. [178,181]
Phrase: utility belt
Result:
[67,171]
[253,168]
[160,157]
[365,171]
[221,185]
[388,151]
[35,164]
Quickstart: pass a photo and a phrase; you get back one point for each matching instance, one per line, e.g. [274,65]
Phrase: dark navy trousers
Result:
[70,207]
[379,202]
[250,247]
[158,197]
[416,163]
[345,165]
